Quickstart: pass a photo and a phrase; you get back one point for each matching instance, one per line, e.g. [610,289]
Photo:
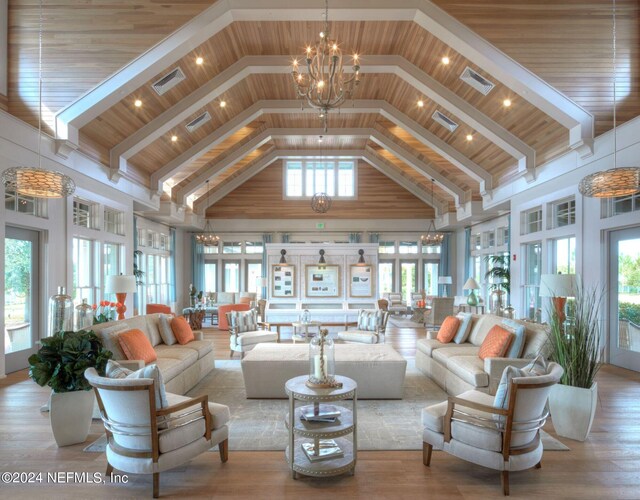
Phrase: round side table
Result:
[304,335]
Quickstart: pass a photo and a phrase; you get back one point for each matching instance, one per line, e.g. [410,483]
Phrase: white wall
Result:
[4,47]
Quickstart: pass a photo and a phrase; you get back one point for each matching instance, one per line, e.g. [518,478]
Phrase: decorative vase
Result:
[496,302]
[60,312]
[84,316]
[322,363]
[572,410]
[70,415]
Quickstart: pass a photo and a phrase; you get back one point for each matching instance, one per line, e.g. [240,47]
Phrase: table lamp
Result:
[446,281]
[471,284]
[120,285]
[558,287]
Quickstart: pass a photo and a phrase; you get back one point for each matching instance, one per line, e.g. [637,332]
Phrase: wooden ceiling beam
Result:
[423,12]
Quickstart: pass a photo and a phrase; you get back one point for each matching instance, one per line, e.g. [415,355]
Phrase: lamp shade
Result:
[445,280]
[558,285]
[471,284]
[122,283]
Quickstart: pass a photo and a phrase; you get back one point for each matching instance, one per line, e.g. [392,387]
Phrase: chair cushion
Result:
[243,321]
[182,330]
[369,321]
[109,338]
[164,323]
[470,369]
[250,338]
[361,336]
[451,350]
[136,345]
[496,343]
[219,413]
[464,329]
[448,329]
[519,335]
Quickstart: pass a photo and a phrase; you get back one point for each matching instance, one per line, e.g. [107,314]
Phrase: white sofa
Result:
[457,368]
[182,366]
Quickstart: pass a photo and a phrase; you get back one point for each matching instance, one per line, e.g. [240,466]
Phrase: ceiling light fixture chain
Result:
[207,237]
[325,86]
[615,182]
[321,201]
[432,237]
[38,182]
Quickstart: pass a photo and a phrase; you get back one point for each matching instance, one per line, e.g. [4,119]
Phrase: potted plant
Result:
[575,345]
[60,363]
[499,277]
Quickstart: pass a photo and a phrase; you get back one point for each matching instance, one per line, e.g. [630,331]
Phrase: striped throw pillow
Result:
[242,321]
[368,321]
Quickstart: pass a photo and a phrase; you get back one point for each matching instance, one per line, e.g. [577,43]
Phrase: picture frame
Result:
[322,280]
[360,280]
[283,281]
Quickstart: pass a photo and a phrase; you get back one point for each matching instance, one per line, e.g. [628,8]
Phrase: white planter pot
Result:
[572,410]
[70,414]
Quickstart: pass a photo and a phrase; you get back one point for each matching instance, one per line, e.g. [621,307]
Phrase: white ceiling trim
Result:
[426,14]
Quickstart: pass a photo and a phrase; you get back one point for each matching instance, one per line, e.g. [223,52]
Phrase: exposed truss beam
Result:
[395,65]
[423,12]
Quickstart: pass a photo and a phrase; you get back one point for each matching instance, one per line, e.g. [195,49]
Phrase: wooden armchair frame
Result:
[506,427]
[113,427]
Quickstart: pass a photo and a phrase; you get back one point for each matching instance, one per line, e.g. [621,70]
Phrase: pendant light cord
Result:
[615,99]
[40,88]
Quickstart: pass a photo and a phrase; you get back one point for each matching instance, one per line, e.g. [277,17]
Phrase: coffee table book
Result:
[328,449]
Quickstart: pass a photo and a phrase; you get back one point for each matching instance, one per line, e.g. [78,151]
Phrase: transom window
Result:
[531,221]
[114,221]
[304,178]
[620,205]
[563,213]
[85,214]
[25,204]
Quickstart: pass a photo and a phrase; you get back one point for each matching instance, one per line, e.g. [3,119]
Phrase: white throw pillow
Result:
[519,336]
[166,332]
[152,371]
[109,338]
[464,329]
[536,368]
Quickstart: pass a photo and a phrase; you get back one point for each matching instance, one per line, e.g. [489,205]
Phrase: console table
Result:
[302,431]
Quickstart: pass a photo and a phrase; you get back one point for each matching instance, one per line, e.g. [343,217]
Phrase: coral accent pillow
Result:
[182,330]
[448,329]
[136,345]
[496,343]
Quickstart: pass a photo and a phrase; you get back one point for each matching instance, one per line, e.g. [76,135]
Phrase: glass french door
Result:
[21,292]
[408,279]
[624,298]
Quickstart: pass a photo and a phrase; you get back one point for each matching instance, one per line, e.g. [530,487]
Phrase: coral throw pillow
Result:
[136,345]
[496,343]
[448,329]
[182,330]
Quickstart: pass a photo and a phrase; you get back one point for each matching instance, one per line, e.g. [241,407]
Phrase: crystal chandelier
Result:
[432,237]
[207,237]
[614,182]
[38,182]
[324,86]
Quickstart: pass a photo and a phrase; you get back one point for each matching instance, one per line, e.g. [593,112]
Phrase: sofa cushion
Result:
[481,326]
[182,353]
[136,345]
[470,369]
[182,330]
[537,341]
[170,367]
[109,338]
[166,332]
[251,338]
[152,329]
[464,329]
[519,336]
[427,346]
[201,347]
[448,329]
[496,343]
[369,321]
[362,336]
[443,354]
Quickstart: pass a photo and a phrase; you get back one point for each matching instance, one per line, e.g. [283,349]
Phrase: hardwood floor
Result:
[606,466]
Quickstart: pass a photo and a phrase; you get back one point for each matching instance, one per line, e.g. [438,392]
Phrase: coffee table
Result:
[301,431]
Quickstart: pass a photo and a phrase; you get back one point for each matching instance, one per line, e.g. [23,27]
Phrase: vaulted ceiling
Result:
[559,101]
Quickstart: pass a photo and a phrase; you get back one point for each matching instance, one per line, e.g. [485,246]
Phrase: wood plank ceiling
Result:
[91,41]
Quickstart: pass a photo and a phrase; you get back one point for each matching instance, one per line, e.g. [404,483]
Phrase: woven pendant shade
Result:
[612,183]
[38,182]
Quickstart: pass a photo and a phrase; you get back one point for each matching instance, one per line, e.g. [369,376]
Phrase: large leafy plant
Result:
[575,345]
[499,273]
[61,361]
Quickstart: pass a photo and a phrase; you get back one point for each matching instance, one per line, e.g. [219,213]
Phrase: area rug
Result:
[403,322]
[258,424]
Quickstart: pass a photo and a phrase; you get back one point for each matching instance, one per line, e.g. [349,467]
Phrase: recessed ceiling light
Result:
[469,137]
[445,60]
[421,103]
[506,103]
[137,103]
[223,104]
[199,61]
[174,138]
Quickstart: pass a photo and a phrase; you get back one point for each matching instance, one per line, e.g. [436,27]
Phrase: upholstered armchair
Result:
[245,331]
[415,298]
[370,329]
[145,437]
[158,308]
[441,307]
[470,427]
[396,304]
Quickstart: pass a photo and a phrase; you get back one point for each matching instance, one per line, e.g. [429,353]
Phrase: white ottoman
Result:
[378,369]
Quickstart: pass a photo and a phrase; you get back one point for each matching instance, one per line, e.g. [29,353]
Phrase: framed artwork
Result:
[283,280]
[361,280]
[322,280]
